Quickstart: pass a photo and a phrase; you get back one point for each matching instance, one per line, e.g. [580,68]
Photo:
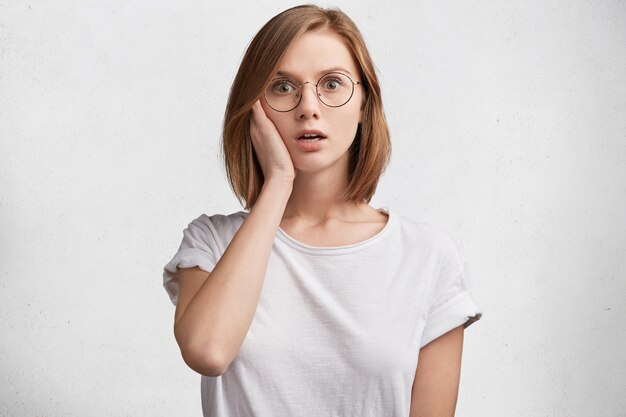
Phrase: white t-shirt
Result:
[337,330]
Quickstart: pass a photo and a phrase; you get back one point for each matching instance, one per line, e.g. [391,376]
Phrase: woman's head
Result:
[304,41]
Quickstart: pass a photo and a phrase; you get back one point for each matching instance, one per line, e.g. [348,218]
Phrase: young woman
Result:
[313,303]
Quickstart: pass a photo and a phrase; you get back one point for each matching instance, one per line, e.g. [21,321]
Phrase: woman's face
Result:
[307,59]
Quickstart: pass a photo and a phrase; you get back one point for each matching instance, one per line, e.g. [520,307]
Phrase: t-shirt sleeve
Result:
[198,248]
[454,304]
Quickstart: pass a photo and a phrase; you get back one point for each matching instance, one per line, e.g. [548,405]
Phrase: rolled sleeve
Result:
[455,307]
[196,249]
[453,304]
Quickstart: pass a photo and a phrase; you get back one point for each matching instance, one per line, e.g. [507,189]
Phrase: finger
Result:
[255,111]
[259,110]
[263,113]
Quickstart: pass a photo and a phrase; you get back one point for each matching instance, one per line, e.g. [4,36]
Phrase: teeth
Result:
[310,135]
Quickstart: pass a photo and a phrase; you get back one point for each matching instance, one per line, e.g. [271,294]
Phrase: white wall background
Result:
[508,123]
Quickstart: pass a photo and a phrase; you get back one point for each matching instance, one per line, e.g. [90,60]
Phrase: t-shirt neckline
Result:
[326,250]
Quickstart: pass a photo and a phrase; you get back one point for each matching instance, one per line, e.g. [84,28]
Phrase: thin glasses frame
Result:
[316,91]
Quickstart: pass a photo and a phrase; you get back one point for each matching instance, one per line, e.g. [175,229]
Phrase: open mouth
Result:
[311,138]
[311,135]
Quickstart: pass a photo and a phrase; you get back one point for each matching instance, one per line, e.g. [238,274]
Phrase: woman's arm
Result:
[215,311]
[436,384]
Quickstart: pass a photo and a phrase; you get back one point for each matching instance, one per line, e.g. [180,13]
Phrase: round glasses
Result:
[333,89]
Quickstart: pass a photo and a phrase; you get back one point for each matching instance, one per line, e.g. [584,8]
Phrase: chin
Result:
[315,163]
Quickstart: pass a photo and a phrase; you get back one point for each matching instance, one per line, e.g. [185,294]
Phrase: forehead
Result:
[315,52]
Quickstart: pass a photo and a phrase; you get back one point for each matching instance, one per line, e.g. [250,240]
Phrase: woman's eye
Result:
[332,84]
[282,87]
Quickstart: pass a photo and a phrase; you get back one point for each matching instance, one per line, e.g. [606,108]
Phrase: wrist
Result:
[281,182]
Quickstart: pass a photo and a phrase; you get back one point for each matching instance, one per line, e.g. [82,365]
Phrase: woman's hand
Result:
[269,146]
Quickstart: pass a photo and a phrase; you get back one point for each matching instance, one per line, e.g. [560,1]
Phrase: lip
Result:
[311,132]
[310,146]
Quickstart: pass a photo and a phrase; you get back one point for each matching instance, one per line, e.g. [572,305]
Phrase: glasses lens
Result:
[335,89]
[282,94]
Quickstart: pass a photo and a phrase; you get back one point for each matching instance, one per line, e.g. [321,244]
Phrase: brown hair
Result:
[371,150]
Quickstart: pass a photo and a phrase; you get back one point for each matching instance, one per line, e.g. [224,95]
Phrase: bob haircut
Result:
[370,151]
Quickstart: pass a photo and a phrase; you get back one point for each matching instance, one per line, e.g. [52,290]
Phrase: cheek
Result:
[354,107]
[276,119]
[349,119]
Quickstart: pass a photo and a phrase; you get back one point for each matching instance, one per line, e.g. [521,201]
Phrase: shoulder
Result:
[217,227]
[428,236]
[219,220]
[440,250]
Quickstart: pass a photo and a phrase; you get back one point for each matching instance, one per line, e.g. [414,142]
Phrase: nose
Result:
[309,105]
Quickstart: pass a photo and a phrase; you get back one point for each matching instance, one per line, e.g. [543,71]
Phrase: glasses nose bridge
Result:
[302,88]
[308,82]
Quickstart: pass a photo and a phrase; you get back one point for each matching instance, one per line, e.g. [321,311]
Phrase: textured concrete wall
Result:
[508,123]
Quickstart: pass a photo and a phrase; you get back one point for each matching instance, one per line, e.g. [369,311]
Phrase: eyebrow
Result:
[289,74]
